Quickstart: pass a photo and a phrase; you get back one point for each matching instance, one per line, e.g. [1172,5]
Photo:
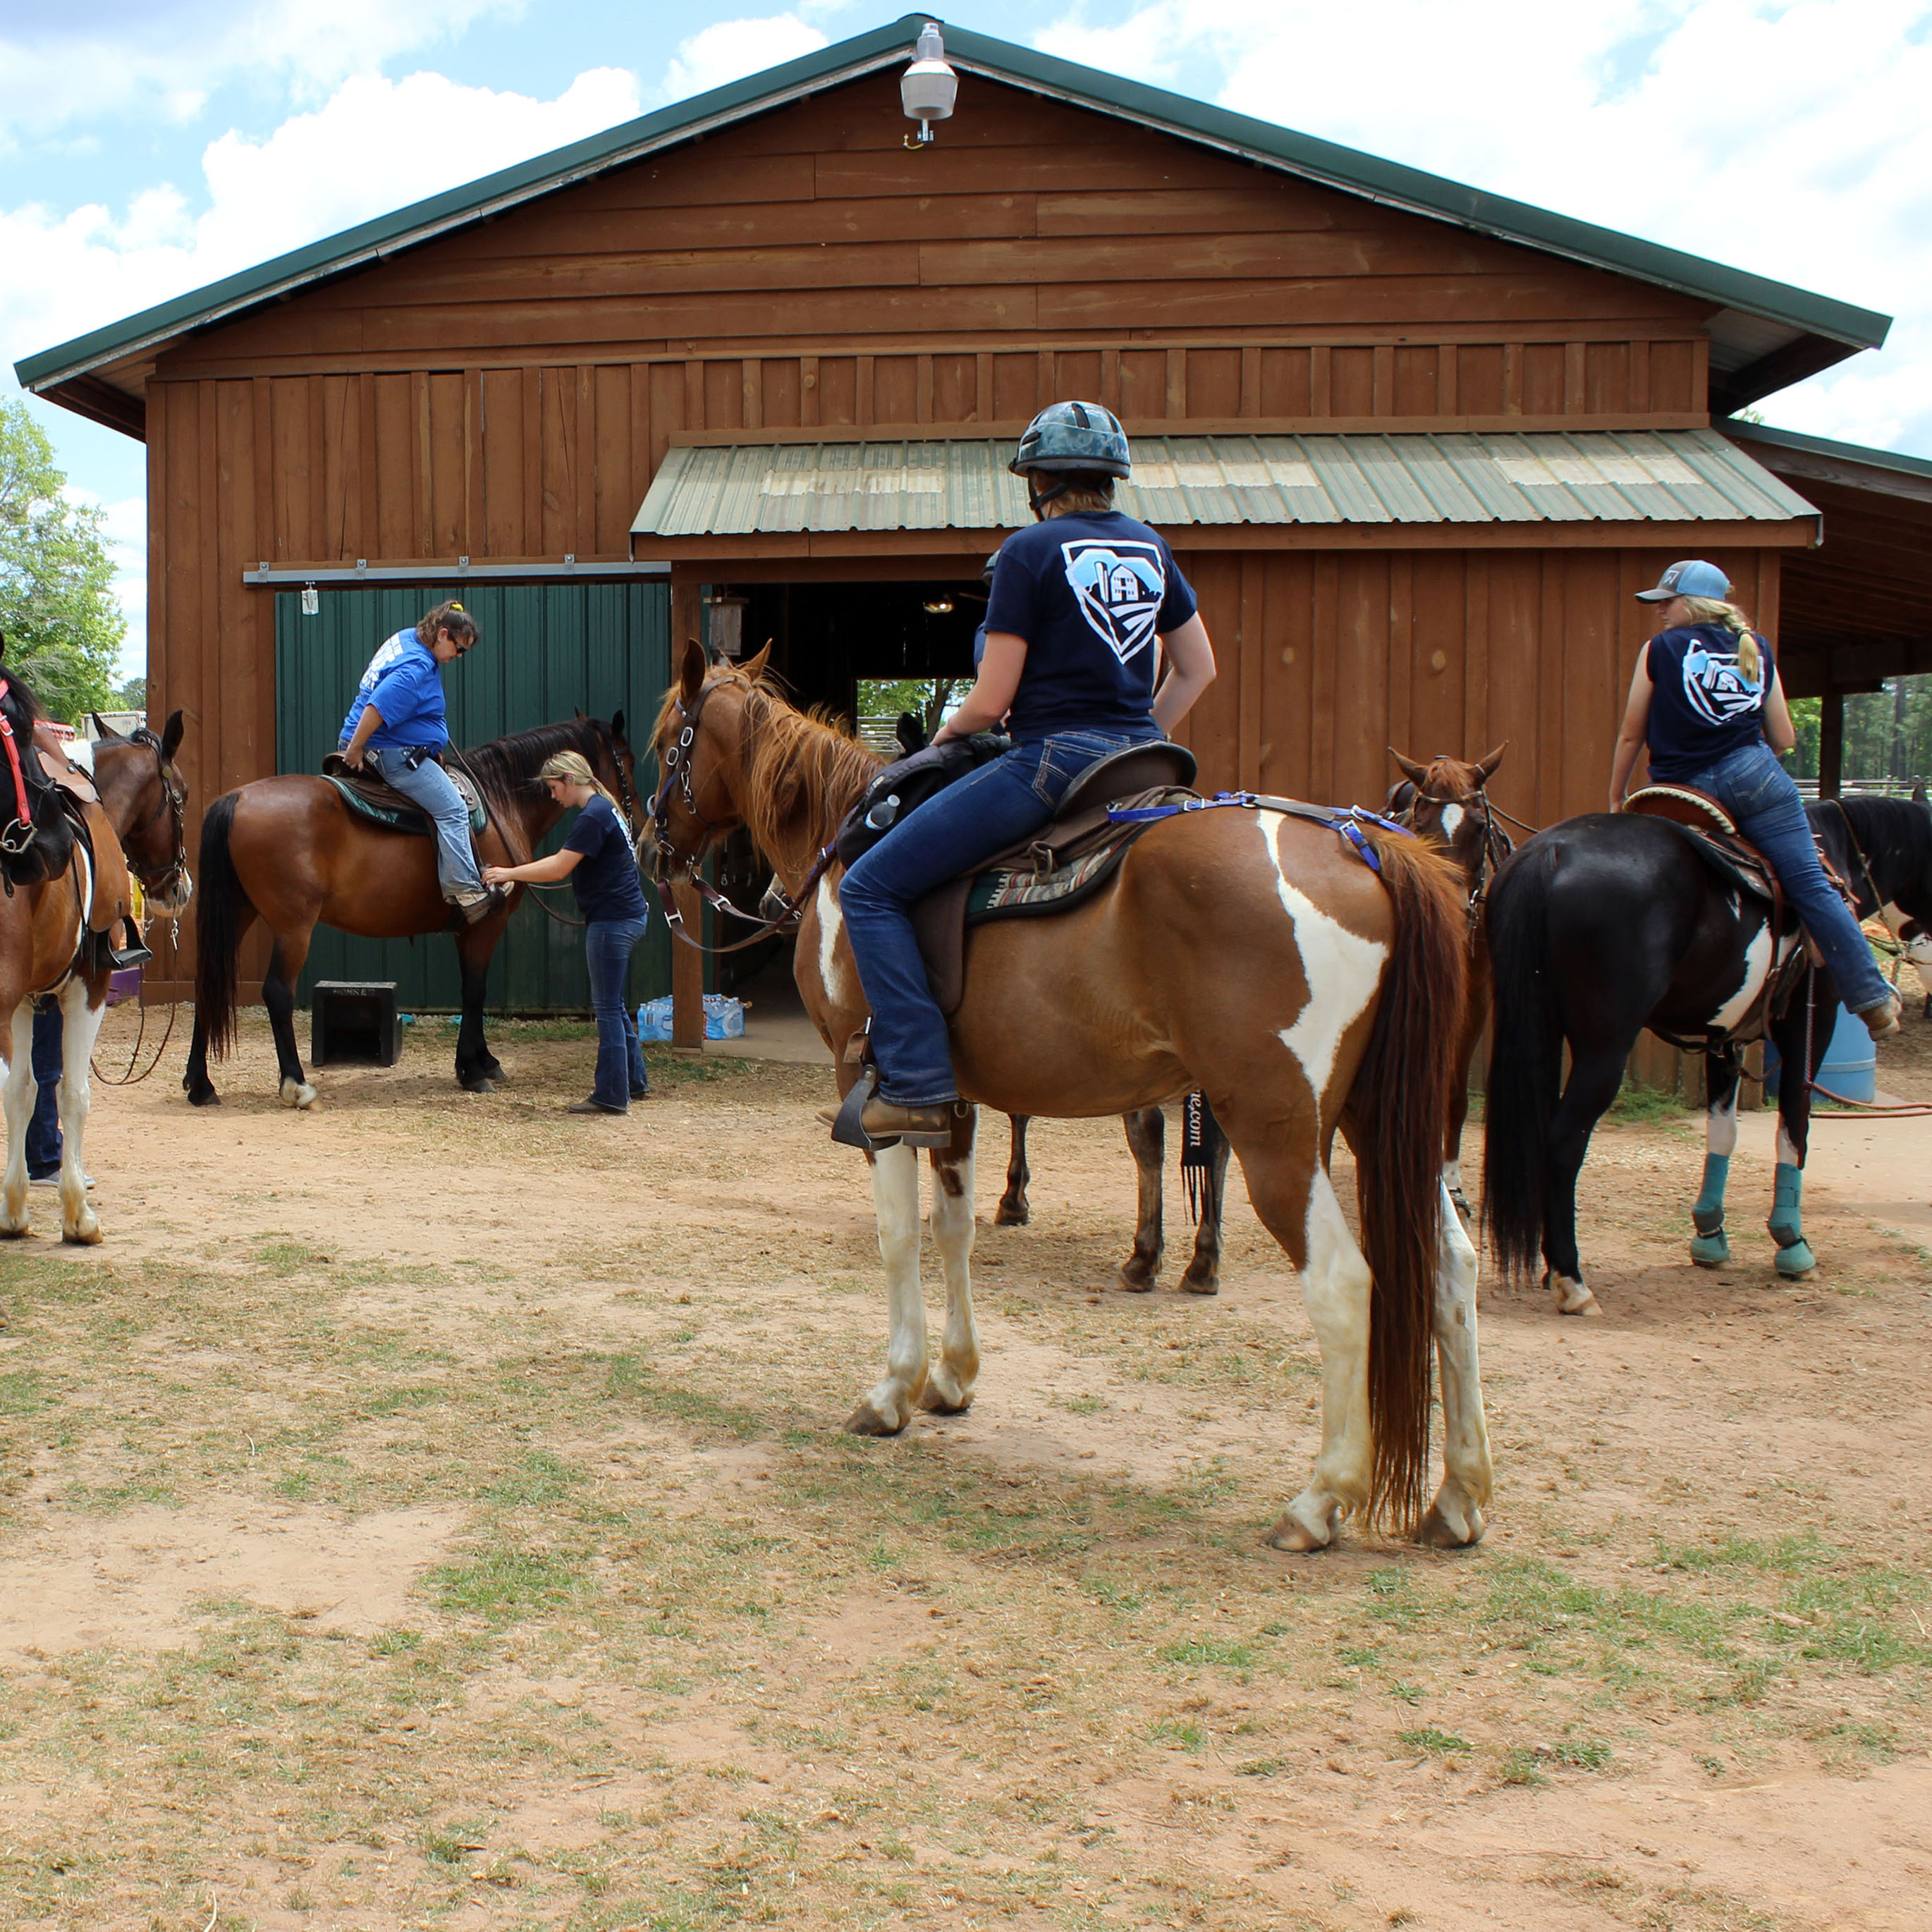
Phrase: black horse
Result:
[1603,926]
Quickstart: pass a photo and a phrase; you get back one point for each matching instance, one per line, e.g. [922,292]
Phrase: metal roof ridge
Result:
[1818,445]
[1348,169]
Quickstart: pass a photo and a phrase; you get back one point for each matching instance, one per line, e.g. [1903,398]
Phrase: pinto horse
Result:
[288,851]
[1446,802]
[1603,926]
[137,825]
[1242,951]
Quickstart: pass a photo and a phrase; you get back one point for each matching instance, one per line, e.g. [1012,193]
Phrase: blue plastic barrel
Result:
[1851,1061]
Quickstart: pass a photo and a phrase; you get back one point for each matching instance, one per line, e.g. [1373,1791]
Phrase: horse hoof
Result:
[1139,1277]
[1571,1296]
[1438,1531]
[1007,1215]
[86,1234]
[866,1420]
[1710,1251]
[1192,1283]
[937,1400]
[297,1093]
[203,1096]
[1293,1535]
[1796,1262]
[479,1086]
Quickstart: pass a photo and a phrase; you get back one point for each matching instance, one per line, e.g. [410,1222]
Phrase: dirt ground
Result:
[431,1511]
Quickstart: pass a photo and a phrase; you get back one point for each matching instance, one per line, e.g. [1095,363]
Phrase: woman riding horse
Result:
[1077,602]
[1706,698]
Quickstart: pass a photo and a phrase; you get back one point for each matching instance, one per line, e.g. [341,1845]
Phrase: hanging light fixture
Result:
[929,88]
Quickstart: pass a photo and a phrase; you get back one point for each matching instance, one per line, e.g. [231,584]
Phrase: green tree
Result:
[58,611]
[132,696]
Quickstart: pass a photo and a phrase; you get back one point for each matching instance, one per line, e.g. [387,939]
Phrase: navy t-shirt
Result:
[1701,707]
[1090,593]
[606,878]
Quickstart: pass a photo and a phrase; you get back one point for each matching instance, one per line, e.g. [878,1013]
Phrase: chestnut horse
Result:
[1242,951]
[1445,802]
[288,851]
[137,826]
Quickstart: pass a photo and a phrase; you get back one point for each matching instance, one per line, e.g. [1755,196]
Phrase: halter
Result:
[177,873]
[1497,844]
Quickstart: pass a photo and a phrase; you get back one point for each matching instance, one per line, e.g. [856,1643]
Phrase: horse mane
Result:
[1893,828]
[802,772]
[505,766]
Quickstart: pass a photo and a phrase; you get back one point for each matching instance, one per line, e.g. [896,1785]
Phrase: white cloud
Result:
[137,56]
[1790,140]
[727,50]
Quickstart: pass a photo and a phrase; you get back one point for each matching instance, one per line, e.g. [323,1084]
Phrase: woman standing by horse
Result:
[597,860]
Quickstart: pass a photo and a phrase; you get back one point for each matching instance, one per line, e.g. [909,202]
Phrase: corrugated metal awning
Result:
[1667,476]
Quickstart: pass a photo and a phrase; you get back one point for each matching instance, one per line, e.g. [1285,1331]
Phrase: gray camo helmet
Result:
[1073,439]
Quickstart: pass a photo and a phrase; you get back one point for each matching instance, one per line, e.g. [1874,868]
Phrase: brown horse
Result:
[1244,952]
[288,851]
[45,947]
[1446,803]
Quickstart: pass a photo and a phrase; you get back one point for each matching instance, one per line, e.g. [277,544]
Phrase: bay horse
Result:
[136,825]
[288,851]
[1447,802]
[1603,926]
[1242,951]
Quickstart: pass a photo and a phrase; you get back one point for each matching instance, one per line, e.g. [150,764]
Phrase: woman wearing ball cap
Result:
[1706,699]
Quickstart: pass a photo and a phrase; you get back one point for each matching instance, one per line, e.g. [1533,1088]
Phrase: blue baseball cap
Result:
[1692,578]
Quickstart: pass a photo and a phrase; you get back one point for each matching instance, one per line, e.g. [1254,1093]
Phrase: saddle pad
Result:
[382,806]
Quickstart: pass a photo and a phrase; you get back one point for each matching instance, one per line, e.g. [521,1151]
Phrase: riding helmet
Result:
[1074,438]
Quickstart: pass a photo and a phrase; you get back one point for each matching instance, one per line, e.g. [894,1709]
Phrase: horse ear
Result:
[617,727]
[105,732]
[691,671]
[755,667]
[171,735]
[1417,773]
[1918,794]
[1487,767]
[577,712]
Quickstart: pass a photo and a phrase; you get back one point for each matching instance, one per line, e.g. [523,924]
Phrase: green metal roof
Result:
[1670,476]
[1741,341]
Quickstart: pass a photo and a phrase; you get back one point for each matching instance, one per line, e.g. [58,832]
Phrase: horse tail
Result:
[218,927]
[1525,1060]
[1397,1106]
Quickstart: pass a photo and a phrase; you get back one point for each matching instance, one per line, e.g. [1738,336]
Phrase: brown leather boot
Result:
[932,1126]
[1883,1019]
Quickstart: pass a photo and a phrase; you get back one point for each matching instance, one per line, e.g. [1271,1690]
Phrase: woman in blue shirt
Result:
[1078,601]
[398,725]
[1706,700]
[599,861]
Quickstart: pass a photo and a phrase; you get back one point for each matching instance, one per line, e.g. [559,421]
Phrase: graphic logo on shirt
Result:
[1715,688]
[1119,586]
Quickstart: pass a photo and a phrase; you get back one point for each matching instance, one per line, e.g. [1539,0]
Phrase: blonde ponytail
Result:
[1714,611]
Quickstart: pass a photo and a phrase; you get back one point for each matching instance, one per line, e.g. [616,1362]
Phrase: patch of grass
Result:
[1202,1650]
[1638,1105]
[1520,1766]
[395,1642]
[504,1585]
[1183,1731]
[21,1394]
[540,1478]
[632,1381]
[1441,1744]
[113,1496]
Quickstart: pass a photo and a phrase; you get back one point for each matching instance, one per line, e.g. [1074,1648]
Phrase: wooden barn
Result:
[756,359]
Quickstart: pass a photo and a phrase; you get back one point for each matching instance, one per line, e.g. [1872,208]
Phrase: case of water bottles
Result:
[723,1018]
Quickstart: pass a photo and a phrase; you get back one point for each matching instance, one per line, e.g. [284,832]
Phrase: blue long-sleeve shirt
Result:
[409,696]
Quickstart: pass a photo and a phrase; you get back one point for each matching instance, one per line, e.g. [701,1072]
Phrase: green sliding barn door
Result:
[543,652]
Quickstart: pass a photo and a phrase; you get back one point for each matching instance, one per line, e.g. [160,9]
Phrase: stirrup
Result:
[846,1130]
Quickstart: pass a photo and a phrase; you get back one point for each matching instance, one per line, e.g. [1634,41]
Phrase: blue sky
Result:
[149,146]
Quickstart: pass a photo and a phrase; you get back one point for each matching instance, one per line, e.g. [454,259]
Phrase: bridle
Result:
[674,868]
[176,796]
[1497,843]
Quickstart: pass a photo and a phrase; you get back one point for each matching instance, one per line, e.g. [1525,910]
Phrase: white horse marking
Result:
[1720,1126]
[80,1026]
[888,1407]
[1343,970]
[1757,965]
[831,974]
[949,1386]
[1787,1154]
[1452,819]
[1467,1470]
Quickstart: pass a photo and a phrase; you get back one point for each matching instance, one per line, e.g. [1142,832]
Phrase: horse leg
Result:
[1806,1024]
[195,1082]
[478,1070]
[1709,1247]
[16,1075]
[888,1407]
[1013,1210]
[80,1027]
[1594,1078]
[1204,1271]
[1146,1135]
[949,1383]
[278,995]
[1455,1518]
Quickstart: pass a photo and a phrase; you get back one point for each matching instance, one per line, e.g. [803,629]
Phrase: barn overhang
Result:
[738,497]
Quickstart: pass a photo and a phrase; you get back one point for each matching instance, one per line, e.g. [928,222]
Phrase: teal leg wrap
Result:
[1794,1253]
[1710,1248]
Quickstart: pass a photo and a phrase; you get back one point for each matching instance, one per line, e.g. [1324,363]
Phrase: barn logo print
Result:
[1119,587]
[1716,688]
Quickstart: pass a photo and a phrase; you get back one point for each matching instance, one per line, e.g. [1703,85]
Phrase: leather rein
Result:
[677,758]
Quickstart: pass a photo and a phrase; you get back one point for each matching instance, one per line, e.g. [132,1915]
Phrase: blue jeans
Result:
[1758,793]
[43,1133]
[429,786]
[962,827]
[621,1077]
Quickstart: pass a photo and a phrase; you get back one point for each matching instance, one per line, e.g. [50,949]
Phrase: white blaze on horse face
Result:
[1757,965]
[1343,970]
[1720,1126]
[1452,820]
[831,923]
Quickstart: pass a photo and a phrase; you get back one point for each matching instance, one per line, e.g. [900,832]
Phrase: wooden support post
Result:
[1831,742]
[687,978]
